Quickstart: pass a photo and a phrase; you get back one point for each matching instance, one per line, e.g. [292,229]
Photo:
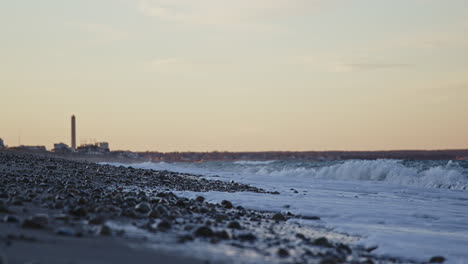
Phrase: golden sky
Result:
[244,75]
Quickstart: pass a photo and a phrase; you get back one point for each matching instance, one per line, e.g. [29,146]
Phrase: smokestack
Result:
[73,132]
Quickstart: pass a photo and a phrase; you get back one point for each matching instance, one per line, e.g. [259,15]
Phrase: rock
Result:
[234,225]
[4,208]
[279,217]
[37,221]
[164,225]
[247,237]
[322,242]
[227,204]
[180,203]
[65,231]
[310,217]
[204,231]
[330,260]
[79,211]
[97,220]
[283,253]
[200,199]
[344,249]
[61,217]
[11,219]
[143,207]
[437,259]
[105,230]
[221,217]
[223,235]
[154,214]
[185,238]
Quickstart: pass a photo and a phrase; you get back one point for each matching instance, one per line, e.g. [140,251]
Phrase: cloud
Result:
[225,12]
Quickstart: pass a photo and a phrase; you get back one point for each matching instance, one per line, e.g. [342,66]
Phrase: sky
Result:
[244,75]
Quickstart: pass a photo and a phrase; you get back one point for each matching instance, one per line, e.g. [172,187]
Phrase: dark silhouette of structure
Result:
[73,132]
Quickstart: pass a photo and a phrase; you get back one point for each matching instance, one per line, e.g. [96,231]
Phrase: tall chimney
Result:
[73,132]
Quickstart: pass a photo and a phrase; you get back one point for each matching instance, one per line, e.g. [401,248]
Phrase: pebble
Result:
[247,237]
[11,219]
[234,225]
[283,253]
[65,231]
[322,242]
[437,259]
[143,207]
[204,231]
[97,220]
[105,230]
[227,204]
[279,217]
[79,211]
[164,225]
[37,221]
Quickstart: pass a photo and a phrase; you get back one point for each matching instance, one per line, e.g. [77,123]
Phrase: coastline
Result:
[59,210]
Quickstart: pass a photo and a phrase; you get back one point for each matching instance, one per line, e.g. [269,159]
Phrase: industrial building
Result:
[61,148]
[2,145]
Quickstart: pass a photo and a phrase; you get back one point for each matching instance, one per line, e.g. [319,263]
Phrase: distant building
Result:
[31,148]
[97,148]
[104,146]
[61,148]
[1,144]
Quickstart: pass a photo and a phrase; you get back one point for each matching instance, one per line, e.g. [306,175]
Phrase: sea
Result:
[407,209]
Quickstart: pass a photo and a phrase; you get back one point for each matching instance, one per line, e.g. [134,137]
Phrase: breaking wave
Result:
[450,176]
[419,174]
[254,162]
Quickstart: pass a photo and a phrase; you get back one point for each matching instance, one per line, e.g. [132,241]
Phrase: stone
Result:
[279,217]
[322,242]
[11,219]
[204,231]
[283,253]
[97,220]
[234,225]
[154,214]
[200,199]
[247,237]
[437,259]
[79,211]
[4,208]
[38,221]
[143,207]
[227,204]
[105,230]
[222,235]
[164,225]
[65,231]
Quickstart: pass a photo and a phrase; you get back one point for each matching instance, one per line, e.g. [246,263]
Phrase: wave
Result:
[254,162]
[448,176]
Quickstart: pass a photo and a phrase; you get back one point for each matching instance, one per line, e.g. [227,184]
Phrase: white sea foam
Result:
[254,162]
[449,175]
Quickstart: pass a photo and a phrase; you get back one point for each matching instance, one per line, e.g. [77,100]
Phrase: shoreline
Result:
[57,205]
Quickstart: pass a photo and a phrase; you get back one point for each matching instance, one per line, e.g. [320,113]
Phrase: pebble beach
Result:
[56,210]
